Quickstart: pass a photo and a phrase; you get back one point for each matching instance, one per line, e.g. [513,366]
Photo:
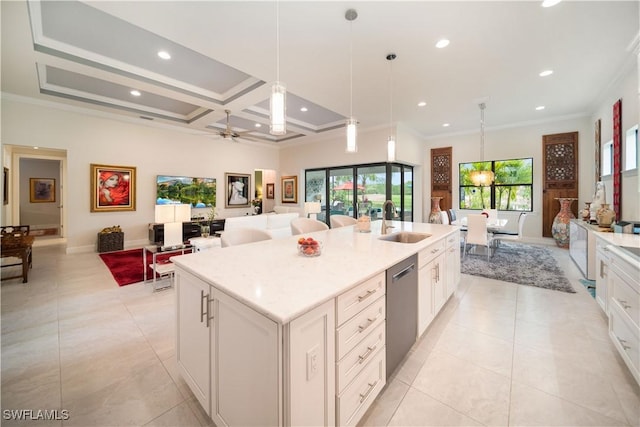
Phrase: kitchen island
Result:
[266,336]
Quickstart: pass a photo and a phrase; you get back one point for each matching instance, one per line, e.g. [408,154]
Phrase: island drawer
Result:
[625,296]
[453,240]
[430,252]
[626,339]
[354,401]
[353,301]
[354,331]
[353,363]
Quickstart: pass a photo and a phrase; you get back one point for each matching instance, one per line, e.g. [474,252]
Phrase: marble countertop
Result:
[274,279]
[618,240]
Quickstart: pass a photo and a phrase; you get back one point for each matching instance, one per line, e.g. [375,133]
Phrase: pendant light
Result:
[481,178]
[352,123]
[391,142]
[278,101]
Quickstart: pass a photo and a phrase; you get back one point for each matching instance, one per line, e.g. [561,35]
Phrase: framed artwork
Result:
[5,186]
[271,191]
[289,189]
[238,190]
[597,142]
[113,188]
[42,190]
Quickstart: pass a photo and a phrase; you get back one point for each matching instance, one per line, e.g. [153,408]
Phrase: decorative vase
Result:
[560,227]
[586,212]
[205,231]
[599,198]
[435,217]
[605,216]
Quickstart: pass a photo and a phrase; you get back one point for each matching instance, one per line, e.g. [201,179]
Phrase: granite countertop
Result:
[274,279]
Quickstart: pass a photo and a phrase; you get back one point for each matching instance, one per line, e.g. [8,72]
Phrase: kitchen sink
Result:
[405,237]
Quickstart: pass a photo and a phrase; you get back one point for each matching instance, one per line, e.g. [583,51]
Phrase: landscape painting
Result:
[198,192]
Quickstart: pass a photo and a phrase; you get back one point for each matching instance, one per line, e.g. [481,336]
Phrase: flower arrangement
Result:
[256,202]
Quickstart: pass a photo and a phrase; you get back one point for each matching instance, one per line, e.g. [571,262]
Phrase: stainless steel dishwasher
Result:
[402,310]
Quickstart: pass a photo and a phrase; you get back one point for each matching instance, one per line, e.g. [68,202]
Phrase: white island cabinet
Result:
[266,336]
[619,275]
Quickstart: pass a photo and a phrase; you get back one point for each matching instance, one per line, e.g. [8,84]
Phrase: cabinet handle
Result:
[367,295]
[602,267]
[364,357]
[203,313]
[623,343]
[369,323]
[210,315]
[364,396]
[433,251]
[624,304]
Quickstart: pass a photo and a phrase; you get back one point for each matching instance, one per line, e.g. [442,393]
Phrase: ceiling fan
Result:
[228,133]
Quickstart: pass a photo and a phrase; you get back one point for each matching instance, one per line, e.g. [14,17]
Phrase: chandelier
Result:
[481,178]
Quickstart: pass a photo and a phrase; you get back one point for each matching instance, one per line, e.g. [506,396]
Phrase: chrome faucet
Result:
[384,228]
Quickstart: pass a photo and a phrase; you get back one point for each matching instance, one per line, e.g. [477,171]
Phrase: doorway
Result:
[30,171]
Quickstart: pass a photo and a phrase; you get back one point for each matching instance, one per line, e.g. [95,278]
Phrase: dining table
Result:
[494,225]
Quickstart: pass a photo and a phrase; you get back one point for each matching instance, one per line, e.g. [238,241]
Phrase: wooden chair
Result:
[17,243]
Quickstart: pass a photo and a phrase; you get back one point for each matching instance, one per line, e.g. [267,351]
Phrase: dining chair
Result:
[477,234]
[444,217]
[341,220]
[513,237]
[452,216]
[307,225]
[240,236]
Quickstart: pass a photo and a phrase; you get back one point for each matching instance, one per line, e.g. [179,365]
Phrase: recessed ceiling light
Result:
[445,125]
[545,73]
[304,109]
[549,3]
[135,92]
[442,43]
[422,103]
[258,125]
[164,54]
[540,107]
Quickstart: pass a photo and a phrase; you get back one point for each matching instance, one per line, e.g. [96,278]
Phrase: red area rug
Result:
[126,266]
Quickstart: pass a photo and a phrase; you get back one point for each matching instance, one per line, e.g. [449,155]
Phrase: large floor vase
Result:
[435,216]
[560,227]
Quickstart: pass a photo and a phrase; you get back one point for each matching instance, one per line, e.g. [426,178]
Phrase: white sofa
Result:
[278,225]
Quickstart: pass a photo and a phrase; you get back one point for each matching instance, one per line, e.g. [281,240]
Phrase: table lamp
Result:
[312,209]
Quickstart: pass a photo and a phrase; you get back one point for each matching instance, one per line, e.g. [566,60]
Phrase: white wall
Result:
[626,88]
[39,215]
[517,142]
[153,151]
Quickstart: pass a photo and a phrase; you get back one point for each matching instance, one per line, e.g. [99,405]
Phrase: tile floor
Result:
[499,354]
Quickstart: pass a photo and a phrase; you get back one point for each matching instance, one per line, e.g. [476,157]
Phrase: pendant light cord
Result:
[277,41]
[482,106]
[351,69]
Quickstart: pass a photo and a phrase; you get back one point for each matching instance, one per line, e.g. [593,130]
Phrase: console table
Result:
[190,230]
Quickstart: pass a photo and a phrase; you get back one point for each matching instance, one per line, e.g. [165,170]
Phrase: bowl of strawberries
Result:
[308,246]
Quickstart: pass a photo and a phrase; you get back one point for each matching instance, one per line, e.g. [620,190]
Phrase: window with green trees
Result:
[510,191]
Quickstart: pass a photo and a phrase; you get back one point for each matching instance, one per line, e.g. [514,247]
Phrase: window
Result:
[607,159]
[631,149]
[510,191]
[341,188]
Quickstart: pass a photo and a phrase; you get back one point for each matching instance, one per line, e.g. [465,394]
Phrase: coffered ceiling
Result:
[91,55]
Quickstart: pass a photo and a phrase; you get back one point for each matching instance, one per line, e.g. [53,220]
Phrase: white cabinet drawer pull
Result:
[203,298]
[368,353]
[367,295]
[369,323]
[623,343]
[364,396]
[433,251]
[624,304]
